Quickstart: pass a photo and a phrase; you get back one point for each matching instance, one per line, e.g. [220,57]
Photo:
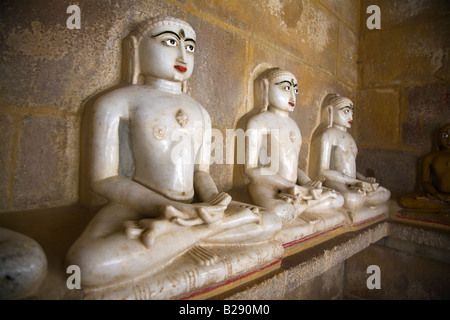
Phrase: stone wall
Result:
[404,88]
[50,73]
[398,77]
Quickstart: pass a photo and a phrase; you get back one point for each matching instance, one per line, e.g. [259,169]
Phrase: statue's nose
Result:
[182,57]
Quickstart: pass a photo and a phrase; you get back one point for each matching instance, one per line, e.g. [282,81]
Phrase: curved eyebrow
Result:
[173,33]
[189,39]
[288,82]
[164,32]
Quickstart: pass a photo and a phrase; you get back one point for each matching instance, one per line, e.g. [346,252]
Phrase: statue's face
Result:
[444,137]
[343,116]
[282,92]
[167,52]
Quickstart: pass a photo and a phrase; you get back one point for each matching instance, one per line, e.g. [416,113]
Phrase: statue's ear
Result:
[133,64]
[330,115]
[265,93]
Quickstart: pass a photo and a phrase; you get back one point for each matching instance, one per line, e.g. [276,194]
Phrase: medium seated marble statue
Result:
[435,178]
[281,186]
[150,218]
[364,197]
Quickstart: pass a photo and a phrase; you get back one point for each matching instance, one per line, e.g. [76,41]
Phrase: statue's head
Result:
[162,48]
[444,137]
[278,89]
[340,112]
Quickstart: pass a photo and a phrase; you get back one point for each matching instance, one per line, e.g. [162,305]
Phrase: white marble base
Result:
[367,215]
[201,270]
[310,224]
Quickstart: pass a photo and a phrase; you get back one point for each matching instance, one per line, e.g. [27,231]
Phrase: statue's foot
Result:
[147,229]
[203,256]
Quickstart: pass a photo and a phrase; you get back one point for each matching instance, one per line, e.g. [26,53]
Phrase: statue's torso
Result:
[287,137]
[343,153]
[166,135]
[441,169]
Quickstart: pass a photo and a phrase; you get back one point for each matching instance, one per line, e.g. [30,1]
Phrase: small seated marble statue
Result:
[435,178]
[338,153]
[150,219]
[282,186]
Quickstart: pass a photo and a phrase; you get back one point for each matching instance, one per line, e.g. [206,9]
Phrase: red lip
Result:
[181,68]
[350,122]
[291,103]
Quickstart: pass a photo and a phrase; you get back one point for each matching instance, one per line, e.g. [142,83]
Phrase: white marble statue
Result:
[280,185]
[364,197]
[150,219]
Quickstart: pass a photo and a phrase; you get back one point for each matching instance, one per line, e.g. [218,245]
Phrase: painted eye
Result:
[287,88]
[346,111]
[190,48]
[296,91]
[170,43]
[444,135]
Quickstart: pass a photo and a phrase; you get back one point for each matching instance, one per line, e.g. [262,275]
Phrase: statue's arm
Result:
[426,175]
[204,185]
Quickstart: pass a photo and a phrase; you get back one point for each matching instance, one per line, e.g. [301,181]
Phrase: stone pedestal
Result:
[199,273]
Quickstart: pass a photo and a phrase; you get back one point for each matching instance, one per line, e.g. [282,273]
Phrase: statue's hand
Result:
[359,187]
[215,209]
[290,198]
[311,190]
[371,180]
[198,213]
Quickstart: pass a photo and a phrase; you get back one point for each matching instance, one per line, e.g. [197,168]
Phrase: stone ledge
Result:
[56,229]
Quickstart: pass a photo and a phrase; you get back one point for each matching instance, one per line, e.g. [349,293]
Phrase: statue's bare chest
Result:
[167,121]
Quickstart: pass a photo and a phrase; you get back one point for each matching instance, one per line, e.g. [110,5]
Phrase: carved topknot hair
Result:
[140,32]
[340,102]
[274,73]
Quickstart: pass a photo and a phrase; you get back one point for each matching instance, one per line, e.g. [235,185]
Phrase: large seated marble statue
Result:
[280,185]
[435,178]
[150,219]
[364,198]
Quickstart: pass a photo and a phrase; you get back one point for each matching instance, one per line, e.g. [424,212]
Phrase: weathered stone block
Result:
[395,13]
[376,117]
[402,275]
[395,170]
[269,289]
[303,27]
[424,109]
[328,285]
[47,163]
[416,53]
[347,68]
[346,10]
[7,131]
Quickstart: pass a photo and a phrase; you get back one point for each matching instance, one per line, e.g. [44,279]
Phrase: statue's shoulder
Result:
[260,118]
[120,94]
